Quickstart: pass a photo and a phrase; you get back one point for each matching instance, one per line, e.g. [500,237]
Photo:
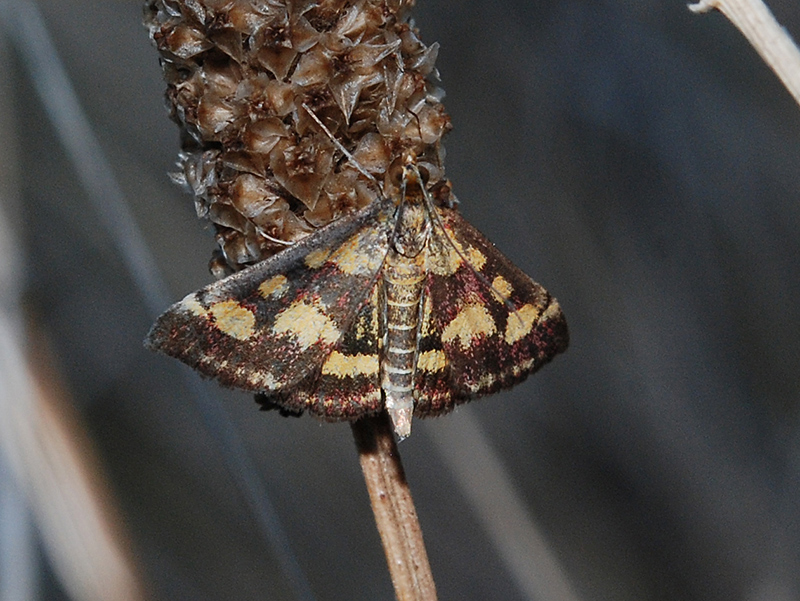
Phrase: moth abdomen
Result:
[403,281]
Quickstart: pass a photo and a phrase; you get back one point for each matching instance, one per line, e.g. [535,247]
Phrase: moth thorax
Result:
[411,232]
[403,280]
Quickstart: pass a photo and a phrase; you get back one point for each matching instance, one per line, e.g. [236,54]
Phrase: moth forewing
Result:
[490,341]
[270,326]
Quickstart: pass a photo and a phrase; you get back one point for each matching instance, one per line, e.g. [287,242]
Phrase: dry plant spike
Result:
[772,42]
[248,83]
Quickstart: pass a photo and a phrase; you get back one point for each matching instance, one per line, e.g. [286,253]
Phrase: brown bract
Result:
[238,76]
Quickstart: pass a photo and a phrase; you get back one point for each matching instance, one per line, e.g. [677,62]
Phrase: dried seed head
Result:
[239,73]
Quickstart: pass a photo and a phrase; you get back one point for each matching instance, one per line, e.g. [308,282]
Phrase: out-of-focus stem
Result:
[771,41]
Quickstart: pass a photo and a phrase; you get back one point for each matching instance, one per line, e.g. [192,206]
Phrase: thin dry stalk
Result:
[771,41]
[394,510]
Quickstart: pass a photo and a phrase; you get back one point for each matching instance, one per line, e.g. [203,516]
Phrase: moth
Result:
[403,305]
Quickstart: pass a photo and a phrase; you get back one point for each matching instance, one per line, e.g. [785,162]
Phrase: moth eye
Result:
[396,171]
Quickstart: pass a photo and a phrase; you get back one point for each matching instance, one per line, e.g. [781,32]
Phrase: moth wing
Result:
[269,326]
[485,324]
[346,386]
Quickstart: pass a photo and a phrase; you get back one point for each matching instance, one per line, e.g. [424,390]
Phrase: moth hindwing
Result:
[404,306]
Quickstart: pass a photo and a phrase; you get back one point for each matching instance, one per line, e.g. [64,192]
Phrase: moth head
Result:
[413,172]
[405,174]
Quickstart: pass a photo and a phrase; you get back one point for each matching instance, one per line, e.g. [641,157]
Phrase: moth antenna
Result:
[276,240]
[435,216]
[339,145]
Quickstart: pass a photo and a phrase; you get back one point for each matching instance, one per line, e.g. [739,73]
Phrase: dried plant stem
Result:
[771,41]
[394,510]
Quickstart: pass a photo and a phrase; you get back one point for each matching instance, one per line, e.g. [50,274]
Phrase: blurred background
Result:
[639,161]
